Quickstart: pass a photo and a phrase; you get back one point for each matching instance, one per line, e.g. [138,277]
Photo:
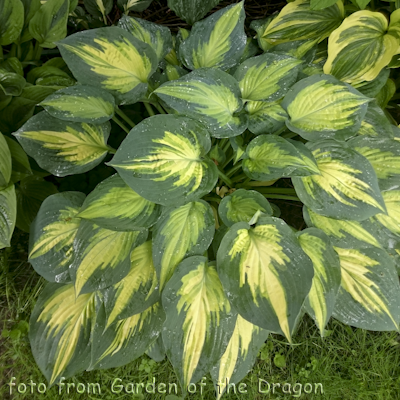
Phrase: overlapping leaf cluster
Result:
[180,251]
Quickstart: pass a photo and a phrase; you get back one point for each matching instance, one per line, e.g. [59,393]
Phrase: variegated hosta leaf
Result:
[392,220]
[240,355]
[320,301]
[126,339]
[5,162]
[271,157]
[137,291]
[372,88]
[360,47]
[52,235]
[156,350]
[80,104]
[345,233]
[62,147]
[265,117]
[302,49]
[321,107]
[216,42]
[11,20]
[164,160]
[114,205]
[267,77]
[347,186]
[375,123]
[110,58]
[384,155]
[369,296]
[60,328]
[102,256]
[210,96]
[297,21]
[192,11]
[199,319]
[241,205]
[156,36]
[265,274]
[8,215]
[181,232]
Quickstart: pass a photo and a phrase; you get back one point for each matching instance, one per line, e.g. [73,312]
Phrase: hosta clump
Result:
[180,251]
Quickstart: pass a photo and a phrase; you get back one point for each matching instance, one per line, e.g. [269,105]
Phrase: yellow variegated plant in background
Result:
[182,252]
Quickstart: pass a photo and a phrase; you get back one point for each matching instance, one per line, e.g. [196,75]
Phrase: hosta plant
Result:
[181,250]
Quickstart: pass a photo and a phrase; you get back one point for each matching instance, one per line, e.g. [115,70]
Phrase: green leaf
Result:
[362,3]
[384,155]
[346,188]
[30,9]
[11,20]
[156,36]
[38,93]
[240,355]
[209,95]
[164,160]
[8,215]
[199,320]
[111,59]
[386,94]
[241,205]
[321,299]
[50,22]
[52,235]
[369,296]
[345,233]
[265,117]
[99,8]
[80,104]
[114,205]
[59,331]
[11,83]
[280,360]
[297,21]
[102,256]
[181,232]
[61,147]
[17,112]
[216,42]
[392,220]
[134,5]
[265,274]
[31,192]
[360,47]
[375,123]
[192,11]
[321,4]
[267,77]
[5,162]
[127,339]
[137,291]
[270,157]
[20,162]
[314,117]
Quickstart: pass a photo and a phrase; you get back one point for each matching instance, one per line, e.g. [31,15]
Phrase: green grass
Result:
[350,363]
